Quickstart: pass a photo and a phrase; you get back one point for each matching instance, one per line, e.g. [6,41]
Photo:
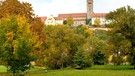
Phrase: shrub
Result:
[81,59]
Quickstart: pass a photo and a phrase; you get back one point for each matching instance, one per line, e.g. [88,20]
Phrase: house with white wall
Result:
[79,18]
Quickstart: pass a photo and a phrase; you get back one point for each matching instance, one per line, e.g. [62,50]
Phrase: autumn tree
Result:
[95,47]
[61,44]
[96,42]
[86,32]
[15,7]
[122,22]
[17,43]
[118,47]
[97,22]
[70,21]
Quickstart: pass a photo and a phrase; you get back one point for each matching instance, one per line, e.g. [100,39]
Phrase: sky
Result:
[55,7]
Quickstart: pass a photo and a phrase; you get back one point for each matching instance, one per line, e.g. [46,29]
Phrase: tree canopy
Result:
[21,34]
[122,22]
[15,7]
[97,22]
[61,44]
[69,21]
[17,43]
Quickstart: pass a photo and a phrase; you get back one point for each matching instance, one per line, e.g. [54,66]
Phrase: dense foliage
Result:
[24,38]
[122,22]
[21,35]
[17,43]
[61,45]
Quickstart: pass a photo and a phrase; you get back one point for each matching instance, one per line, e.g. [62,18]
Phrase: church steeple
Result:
[89,9]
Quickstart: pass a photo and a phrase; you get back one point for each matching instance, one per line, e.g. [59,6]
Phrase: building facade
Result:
[79,18]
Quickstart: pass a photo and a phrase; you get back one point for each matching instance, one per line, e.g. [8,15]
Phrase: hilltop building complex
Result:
[79,18]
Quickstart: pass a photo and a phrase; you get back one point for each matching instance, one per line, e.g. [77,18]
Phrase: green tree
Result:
[61,45]
[64,22]
[99,58]
[86,32]
[122,22]
[88,21]
[82,59]
[95,48]
[119,47]
[17,43]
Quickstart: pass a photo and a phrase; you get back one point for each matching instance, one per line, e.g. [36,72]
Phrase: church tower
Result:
[89,9]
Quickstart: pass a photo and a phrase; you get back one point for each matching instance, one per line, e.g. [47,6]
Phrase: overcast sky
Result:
[55,7]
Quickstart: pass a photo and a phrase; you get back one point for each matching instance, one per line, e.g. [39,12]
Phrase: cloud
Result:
[110,5]
[55,7]
[62,6]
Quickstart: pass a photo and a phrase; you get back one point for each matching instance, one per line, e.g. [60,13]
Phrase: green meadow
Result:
[96,70]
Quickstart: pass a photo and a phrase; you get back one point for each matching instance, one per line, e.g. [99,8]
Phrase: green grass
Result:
[111,67]
[96,70]
[3,68]
[85,73]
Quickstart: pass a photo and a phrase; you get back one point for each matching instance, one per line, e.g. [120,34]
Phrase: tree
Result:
[70,21]
[17,43]
[88,21]
[99,58]
[64,22]
[15,7]
[61,44]
[95,48]
[97,22]
[82,59]
[119,47]
[122,22]
[86,32]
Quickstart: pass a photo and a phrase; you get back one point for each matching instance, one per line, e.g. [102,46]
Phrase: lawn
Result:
[96,70]
[3,68]
[86,73]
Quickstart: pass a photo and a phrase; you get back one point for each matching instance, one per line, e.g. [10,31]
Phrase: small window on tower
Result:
[89,3]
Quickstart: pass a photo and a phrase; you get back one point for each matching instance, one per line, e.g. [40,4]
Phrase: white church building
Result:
[79,18]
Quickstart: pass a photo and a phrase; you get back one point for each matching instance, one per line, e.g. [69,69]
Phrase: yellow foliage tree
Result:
[60,46]
[97,22]
[70,21]
[88,32]
[17,43]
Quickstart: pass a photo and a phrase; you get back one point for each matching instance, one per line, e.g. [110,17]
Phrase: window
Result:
[89,3]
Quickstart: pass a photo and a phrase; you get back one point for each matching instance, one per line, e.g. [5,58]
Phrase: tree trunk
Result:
[134,61]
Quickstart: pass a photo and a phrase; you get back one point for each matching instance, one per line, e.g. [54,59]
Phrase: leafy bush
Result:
[81,59]
[99,58]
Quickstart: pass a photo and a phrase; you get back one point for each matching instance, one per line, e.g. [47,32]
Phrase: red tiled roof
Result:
[43,19]
[73,15]
[98,15]
[57,18]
